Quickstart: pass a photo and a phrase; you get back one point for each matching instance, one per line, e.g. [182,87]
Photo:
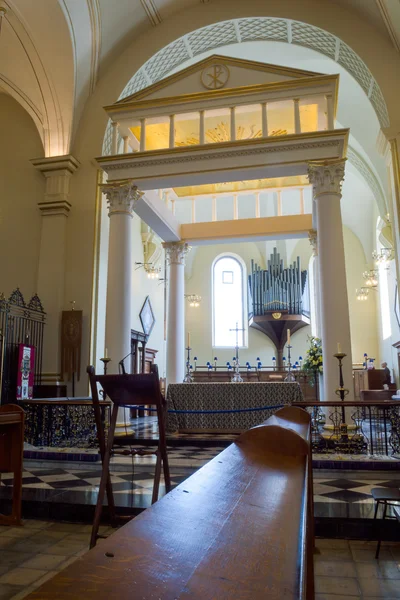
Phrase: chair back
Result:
[128,390]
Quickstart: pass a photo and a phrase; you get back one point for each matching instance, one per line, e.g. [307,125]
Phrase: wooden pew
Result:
[241,527]
[11,456]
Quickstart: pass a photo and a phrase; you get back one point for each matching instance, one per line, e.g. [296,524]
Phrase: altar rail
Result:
[367,427]
[241,526]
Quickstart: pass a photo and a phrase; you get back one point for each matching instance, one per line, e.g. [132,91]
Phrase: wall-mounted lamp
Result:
[152,271]
[362,294]
[371,278]
[384,256]
[193,299]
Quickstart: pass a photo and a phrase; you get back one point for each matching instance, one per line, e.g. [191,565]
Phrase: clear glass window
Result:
[228,302]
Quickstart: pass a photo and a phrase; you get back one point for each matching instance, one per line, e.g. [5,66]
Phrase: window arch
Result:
[228,301]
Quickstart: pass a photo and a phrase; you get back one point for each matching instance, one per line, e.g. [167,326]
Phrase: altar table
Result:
[226,396]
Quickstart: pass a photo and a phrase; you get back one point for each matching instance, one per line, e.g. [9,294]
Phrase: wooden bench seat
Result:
[240,527]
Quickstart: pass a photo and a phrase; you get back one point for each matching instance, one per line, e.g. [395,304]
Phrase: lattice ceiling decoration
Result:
[261,29]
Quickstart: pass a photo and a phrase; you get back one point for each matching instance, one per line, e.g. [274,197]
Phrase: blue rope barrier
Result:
[214,412]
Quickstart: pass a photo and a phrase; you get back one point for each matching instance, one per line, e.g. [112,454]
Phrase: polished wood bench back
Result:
[238,528]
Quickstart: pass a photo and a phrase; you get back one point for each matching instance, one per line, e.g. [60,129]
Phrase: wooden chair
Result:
[127,391]
[11,456]
[384,497]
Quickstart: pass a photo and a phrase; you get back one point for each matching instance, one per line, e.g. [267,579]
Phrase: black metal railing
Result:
[370,428]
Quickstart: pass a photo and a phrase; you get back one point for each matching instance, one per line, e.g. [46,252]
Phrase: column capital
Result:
[313,239]
[122,197]
[176,252]
[326,176]
[58,171]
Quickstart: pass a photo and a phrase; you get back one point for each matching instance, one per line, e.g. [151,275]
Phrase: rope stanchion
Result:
[215,412]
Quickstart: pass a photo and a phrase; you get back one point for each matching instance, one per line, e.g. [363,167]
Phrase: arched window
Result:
[228,276]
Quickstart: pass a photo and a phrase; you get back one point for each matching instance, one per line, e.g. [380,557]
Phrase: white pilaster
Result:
[142,145]
[264,119]
[257,205]
[201,128]
[175,255]
[297,124]
[279,203]
[172,131]
[301,201]
[114,138]
[214,208]
[121,198]
[235,207]
[330,124]
[55,209]
[233,123]
[327,178]
[126,144]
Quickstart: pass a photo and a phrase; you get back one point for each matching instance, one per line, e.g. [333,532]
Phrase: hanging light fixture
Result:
[371,278]
[152,271]
[362,294]
[193,299]
[383,257]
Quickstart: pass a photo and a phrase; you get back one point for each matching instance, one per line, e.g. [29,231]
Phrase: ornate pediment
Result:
[215,73]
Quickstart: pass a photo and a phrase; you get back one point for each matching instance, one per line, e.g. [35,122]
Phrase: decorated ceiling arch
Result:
[250,29]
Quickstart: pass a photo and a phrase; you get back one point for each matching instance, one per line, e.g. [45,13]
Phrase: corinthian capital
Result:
[122,197]
[176,252]
[326,176]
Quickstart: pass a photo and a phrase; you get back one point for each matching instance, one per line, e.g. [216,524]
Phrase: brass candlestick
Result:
[188,377]
[289,377]
[341,391]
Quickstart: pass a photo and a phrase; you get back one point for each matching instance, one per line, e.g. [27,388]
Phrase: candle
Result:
[106,354]
[189,339]
[288,337]
[339,348]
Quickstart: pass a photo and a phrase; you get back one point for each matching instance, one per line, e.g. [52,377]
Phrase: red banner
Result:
[25,374]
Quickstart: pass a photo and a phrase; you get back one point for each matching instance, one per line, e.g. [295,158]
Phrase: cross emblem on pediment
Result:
[215,77]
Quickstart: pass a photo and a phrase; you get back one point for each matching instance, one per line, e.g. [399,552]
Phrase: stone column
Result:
[121,198]
[55,209]
[326,178]
[175,254]
[312,236]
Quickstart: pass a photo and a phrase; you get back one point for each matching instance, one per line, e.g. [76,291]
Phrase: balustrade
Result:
[278,116]
[246,204]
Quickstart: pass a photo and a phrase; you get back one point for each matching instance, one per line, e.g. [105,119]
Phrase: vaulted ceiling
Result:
[53,52]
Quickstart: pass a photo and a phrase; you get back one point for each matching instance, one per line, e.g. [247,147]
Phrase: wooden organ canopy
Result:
[279,300]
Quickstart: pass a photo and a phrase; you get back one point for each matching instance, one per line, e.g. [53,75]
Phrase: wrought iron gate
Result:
[19,322]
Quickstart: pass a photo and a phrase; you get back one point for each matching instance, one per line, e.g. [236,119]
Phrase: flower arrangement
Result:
[313,362]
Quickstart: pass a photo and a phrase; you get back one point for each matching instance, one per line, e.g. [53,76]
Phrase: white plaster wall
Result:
[21,188]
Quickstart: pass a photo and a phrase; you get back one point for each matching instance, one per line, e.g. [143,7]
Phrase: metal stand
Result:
[105,362]
[188,377]
[289,377]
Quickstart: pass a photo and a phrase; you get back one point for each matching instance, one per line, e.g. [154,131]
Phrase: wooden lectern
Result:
[127,391]
[11,456]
